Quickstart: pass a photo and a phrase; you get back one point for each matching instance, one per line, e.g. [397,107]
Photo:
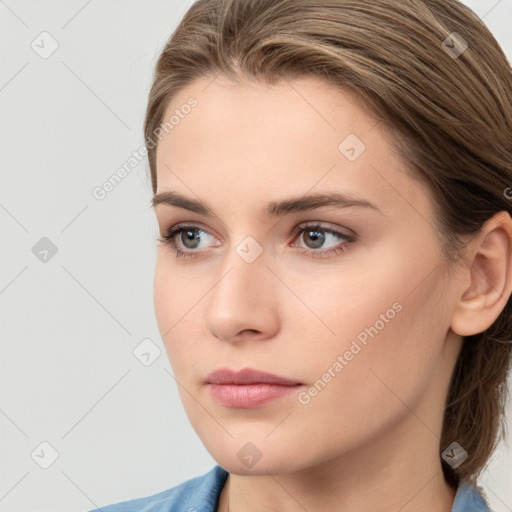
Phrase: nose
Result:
[243,304]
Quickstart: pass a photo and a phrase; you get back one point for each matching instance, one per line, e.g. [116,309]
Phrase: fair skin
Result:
[369,440]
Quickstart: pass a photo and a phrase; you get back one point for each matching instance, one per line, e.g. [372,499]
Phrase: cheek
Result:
[164,298]
[175,291]
[172,300]
[375,331]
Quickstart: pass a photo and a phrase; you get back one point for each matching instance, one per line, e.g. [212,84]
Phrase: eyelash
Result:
[172,233]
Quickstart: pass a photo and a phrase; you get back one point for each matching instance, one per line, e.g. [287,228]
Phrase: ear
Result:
[489,272]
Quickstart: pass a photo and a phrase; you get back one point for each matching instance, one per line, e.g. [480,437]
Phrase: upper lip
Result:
[246,376]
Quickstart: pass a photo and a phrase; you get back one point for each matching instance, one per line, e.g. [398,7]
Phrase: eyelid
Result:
[321,225]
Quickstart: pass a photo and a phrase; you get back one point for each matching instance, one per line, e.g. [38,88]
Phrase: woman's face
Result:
[349,300]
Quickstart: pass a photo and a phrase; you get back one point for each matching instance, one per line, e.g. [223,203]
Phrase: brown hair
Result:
[449,115]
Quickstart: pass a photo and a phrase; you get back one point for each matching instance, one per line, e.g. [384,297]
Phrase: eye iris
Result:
[191,236]
[318,238]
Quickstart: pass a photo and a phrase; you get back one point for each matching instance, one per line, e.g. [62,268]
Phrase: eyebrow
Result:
[273,208]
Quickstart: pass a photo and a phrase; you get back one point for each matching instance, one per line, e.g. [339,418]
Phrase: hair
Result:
[449,117]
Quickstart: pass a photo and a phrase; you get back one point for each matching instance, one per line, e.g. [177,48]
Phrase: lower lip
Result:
[248,396]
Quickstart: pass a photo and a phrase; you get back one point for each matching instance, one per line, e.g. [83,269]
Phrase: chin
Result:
[261,468]
[254,459]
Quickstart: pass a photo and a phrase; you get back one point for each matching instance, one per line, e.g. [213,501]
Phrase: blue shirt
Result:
[201,494]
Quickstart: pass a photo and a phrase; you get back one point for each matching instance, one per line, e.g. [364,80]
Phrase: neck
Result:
[398,478]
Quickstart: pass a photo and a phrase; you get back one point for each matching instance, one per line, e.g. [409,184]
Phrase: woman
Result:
[331,184]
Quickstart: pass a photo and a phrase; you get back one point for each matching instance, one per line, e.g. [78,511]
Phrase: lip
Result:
[247,376]
[248,388]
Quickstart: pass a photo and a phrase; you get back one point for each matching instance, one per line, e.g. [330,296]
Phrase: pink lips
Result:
[248,387]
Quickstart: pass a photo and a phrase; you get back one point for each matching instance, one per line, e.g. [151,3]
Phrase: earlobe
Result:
[490,278]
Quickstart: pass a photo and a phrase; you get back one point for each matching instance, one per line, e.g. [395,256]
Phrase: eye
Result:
[186,239]
[314,236]
[188,235]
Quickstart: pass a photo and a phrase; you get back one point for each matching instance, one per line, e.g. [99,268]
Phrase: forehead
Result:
[306,108]
[280,139]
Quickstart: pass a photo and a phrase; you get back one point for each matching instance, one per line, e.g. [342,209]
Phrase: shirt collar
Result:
[469,498]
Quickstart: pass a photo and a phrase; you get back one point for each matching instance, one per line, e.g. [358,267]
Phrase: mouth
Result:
[248,388]
[247,376]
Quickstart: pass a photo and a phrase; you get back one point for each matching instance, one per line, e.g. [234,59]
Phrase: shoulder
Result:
[199,494]
[470,498]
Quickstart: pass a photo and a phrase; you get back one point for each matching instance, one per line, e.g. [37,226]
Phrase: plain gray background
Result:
[73,318]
